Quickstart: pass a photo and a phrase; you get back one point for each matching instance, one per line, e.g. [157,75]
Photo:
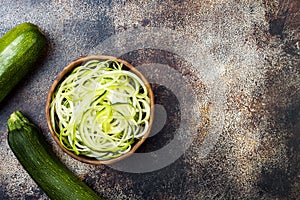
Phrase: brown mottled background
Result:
[251,46]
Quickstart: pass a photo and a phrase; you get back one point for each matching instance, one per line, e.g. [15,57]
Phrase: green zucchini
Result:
[20,48]
[51,175]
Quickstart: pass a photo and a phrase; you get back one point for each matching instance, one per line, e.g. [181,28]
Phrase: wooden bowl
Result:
[61,77]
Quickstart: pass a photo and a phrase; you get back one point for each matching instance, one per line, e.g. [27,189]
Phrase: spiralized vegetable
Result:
[99,110]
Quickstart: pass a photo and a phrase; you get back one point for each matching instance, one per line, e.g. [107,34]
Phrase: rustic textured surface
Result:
[242,60]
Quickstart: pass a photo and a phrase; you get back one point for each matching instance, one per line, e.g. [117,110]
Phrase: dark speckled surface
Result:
[230,86]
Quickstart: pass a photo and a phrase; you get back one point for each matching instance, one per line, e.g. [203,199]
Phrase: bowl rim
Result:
[61,76]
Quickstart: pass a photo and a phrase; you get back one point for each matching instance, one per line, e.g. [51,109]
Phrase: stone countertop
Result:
[225,76]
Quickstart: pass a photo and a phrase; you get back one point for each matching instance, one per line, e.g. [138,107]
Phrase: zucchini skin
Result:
[51,175]
[20,48]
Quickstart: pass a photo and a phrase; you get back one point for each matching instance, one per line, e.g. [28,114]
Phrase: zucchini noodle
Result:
[99,110]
